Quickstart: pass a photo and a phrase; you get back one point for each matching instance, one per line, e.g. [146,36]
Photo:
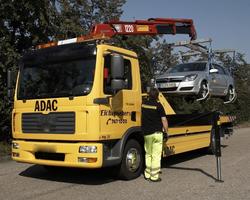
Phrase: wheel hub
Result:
[133,159]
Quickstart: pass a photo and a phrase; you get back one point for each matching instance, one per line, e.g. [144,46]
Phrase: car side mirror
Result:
[213,71]
[117,72]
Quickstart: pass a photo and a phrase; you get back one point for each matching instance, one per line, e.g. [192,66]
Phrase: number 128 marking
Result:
[129,28]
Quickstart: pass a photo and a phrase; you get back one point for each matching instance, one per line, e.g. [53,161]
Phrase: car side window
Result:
[107,75]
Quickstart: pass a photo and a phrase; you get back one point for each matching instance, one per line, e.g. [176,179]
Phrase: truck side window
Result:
[107,75]
[127,74]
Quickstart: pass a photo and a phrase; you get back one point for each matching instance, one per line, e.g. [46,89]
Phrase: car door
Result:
[221,80]
[213,83]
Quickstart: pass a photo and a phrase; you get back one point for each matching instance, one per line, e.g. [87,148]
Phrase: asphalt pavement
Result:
[185,177]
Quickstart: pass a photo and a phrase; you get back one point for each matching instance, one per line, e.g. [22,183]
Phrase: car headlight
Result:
[88,149]
[190,77]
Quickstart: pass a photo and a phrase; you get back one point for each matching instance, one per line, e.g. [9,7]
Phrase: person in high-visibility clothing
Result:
[154,121]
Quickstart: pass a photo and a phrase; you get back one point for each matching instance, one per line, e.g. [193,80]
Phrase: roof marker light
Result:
[62,42]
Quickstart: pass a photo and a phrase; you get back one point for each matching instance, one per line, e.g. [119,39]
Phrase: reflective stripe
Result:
[156,169]
[149,107]
[153,169]
[154,174]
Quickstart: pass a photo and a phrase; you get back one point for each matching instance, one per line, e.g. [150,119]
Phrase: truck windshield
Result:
[62,71]
[188,67]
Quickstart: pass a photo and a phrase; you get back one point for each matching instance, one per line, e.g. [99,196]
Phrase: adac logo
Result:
[46,105]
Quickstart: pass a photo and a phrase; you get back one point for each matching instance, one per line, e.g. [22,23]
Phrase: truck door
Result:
[123,110]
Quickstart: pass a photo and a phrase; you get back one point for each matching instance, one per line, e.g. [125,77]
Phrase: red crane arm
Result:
[154,26]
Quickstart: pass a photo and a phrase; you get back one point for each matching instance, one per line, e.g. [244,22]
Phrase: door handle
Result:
[133,116]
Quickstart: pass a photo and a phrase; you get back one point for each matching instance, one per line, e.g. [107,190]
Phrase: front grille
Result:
[54,122]
[50,156]
[169,80]
[169,89]
[186,88]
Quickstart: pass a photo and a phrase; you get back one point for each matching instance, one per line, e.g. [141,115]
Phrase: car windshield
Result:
[188,67]
[60,78]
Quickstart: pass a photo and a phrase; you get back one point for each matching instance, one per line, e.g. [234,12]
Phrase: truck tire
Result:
[132,161]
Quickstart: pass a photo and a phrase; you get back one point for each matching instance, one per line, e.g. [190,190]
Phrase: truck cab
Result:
[76,105]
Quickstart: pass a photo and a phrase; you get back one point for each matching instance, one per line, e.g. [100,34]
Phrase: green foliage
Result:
[5,149]
[26,23]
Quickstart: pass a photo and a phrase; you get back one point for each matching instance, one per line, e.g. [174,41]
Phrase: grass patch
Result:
[5,149]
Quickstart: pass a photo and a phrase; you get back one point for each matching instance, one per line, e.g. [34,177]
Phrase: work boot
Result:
[157,180]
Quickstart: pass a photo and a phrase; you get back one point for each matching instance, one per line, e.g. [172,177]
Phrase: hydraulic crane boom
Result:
[153,26]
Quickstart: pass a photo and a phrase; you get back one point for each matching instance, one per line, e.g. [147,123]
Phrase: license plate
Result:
[167,85]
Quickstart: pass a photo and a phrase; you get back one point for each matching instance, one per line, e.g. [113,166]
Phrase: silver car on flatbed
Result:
[200,79]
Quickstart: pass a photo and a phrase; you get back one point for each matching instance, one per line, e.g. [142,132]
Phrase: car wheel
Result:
[230,94]
[203,93]
[132,161]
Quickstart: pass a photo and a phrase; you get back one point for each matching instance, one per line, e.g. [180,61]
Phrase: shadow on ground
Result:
[71,175]
[106,175]
[171,161]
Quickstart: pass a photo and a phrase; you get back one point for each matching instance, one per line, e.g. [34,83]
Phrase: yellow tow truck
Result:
[77,103]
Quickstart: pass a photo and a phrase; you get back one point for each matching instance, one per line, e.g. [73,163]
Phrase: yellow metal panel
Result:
[188,129]
[168,109]
[71,150]
[186,143]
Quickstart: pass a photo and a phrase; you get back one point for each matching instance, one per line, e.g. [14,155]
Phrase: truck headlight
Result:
[190,77]
[88,149]
[15,145]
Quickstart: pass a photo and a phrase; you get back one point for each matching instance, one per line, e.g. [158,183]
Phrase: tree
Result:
[26,23]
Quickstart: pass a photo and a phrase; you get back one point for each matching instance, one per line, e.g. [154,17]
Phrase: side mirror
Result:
[11,75]
[117,72]
[213,71]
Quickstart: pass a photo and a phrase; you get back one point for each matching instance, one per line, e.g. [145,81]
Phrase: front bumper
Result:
[184,87]
[57,154]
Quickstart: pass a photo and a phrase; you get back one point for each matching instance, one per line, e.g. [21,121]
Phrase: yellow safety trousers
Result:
[153,150]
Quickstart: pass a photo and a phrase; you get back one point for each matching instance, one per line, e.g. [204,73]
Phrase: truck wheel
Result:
[132,161]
